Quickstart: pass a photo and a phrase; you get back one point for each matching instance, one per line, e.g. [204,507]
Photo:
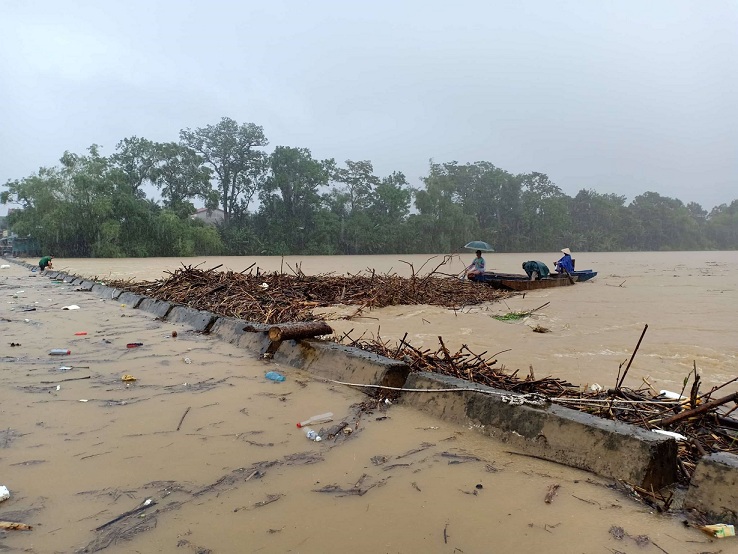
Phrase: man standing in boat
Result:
[476,267]
[565,264]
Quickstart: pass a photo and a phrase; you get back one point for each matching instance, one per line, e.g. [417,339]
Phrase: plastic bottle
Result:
[312,435]
[4,493]
[275,376]
[134,344]
[322,418]
[59,352]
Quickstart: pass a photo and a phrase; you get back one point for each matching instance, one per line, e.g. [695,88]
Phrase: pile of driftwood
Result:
[701,419]
[279,297]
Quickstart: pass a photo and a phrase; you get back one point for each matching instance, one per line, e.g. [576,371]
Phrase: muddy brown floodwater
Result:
[238,476]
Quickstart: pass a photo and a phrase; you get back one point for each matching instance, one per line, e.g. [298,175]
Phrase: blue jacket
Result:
[565,264]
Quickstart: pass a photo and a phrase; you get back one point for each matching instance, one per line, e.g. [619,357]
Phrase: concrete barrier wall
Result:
[714,488]
[609,448]
[342,363]
[159,308]
[130,299]
[251,336]
[200,321]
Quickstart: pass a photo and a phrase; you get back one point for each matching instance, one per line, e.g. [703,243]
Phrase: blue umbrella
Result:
[479,245]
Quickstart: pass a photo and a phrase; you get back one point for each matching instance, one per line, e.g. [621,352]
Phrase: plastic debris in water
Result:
[719,530]
[275,376]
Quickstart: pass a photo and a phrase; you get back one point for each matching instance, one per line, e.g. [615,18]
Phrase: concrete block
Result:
[713,489]
[160,308]
[342,363]
[86,286]
[130,299]
[102,291]
[251,336]
[608,448]
[198,320]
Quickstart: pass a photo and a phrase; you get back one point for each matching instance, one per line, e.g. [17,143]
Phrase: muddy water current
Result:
[214,444]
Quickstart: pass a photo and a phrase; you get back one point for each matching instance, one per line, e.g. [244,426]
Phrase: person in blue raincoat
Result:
[476,267]
[565,263]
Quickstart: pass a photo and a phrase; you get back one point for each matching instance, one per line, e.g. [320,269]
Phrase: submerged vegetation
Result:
[139,201]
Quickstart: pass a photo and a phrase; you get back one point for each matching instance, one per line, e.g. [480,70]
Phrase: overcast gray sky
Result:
[617,96]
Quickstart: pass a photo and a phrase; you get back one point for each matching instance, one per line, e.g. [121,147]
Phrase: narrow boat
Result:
[514,281]
[584,275]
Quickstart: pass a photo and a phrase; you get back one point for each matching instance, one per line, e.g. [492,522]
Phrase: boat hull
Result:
[512,281]
[585,275]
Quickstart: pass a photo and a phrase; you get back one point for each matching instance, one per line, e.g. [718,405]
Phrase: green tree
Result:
[489,195]
[388,213]
[546,223]
[232,152]
[665,223]
[722,226]
[441,220]
[181,176]
[136,157]
[290,198]
[598,221]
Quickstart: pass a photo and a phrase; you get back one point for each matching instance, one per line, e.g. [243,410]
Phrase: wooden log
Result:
[686,414]
[300,330]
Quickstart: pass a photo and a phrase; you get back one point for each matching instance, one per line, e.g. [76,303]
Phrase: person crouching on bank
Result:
[45,263]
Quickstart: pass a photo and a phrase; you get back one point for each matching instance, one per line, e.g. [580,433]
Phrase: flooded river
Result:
[215,446]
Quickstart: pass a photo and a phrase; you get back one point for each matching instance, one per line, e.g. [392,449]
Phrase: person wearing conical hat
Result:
[565,263]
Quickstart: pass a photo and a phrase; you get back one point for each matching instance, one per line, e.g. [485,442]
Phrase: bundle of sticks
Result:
[701,422]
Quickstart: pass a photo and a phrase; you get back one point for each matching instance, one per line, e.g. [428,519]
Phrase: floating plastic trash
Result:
[275,376]
[128,378]
[719,530]
[80,333]
[71,307]
[672,434]
[322,418]
[134,344]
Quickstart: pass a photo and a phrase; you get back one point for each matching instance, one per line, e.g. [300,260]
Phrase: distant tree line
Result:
[93,205]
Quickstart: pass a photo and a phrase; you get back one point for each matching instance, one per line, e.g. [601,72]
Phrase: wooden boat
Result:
[584,275]
[514,281]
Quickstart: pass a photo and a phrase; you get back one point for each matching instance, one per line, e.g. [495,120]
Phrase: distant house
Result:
[213,217]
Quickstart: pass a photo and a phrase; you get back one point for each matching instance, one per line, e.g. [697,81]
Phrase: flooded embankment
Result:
[214,445]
